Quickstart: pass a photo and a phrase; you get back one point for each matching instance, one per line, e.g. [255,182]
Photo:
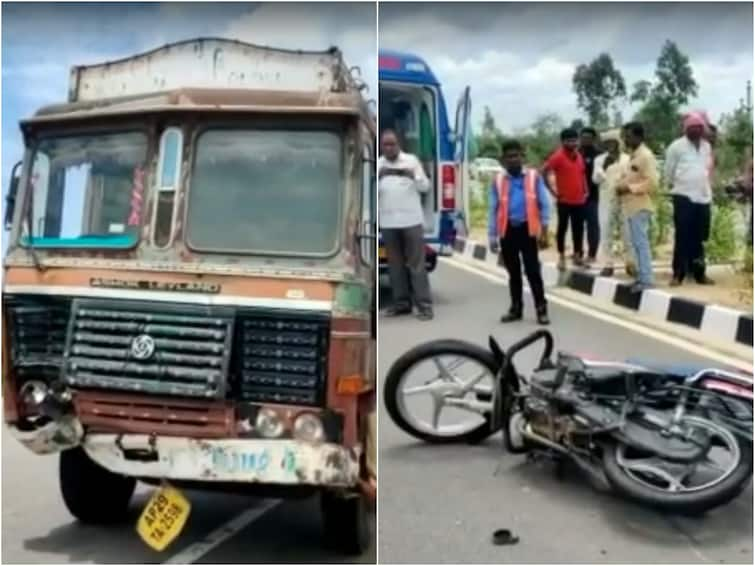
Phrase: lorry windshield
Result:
[266,191]
[86,190]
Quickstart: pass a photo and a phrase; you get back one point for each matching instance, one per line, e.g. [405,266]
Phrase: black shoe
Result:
[606,272]
[397,311]
[425,315]
[542,316]
[704,280]
[512,316]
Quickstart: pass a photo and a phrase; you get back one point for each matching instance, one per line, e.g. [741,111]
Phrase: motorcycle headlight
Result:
[269,424]
[308,427]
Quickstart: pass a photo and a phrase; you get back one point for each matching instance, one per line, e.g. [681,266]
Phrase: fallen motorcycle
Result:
[677,439]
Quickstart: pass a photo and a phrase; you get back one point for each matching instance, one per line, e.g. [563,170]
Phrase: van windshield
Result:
[86,191]
[266,191]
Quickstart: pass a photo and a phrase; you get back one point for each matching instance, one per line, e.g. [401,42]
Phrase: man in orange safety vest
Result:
[518,212]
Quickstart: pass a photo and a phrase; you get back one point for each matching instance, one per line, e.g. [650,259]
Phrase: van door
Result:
[462,131]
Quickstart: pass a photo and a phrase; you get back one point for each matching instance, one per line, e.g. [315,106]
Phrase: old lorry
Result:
[188,294]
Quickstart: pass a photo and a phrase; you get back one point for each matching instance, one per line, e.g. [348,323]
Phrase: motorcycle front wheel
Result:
[689,488]
[450,366]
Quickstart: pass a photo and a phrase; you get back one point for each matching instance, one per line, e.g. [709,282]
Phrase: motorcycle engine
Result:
[545,420]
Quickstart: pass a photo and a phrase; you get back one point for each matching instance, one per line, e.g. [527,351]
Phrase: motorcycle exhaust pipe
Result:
[592,471]
[526,431]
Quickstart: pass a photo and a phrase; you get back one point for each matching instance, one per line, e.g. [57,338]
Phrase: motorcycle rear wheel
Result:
[685,503]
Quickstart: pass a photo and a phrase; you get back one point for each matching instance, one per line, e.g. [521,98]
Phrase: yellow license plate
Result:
[382,254]
[163,518]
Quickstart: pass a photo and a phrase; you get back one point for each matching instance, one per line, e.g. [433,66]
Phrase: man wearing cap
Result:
[688,170]
[609,168]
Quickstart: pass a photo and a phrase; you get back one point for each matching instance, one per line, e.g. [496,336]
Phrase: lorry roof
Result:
[212,74]
[208,100]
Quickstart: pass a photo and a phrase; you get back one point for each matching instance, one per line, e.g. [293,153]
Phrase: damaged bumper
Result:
[276,462]
[53,437]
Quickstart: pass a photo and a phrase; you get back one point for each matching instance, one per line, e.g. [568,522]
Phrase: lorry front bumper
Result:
[273,462]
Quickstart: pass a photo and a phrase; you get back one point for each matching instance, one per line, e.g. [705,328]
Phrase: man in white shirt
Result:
[688,169]
[609,168]
[401,180]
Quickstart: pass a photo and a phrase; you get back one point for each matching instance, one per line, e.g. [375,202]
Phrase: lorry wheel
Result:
[91,493]
[345,522]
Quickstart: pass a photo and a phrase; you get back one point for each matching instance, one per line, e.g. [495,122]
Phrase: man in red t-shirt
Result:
[565,173]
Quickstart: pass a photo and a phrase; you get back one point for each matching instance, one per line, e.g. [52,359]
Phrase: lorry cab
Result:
[412,104]
[188,287]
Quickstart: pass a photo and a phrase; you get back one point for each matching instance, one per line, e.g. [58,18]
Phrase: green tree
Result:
[641,91]
[674,85]
[542,138]
[577,124]
[734,142]
[489,128]
[489,141]
[674,77]
[598,85]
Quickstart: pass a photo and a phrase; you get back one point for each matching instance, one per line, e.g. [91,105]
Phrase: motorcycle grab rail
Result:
[545,358]
[720,374]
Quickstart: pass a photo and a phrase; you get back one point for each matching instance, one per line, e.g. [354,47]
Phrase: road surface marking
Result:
[195,551]
[638,328]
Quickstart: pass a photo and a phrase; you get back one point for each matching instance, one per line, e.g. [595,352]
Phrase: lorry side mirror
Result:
[10,199]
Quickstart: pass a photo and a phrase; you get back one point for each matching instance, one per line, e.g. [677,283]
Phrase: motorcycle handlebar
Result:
[531,339]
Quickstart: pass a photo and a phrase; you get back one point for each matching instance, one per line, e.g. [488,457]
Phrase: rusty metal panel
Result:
[209,63]
[111,412]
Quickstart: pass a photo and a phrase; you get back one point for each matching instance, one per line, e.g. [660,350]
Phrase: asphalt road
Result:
[441,504]
[37,529]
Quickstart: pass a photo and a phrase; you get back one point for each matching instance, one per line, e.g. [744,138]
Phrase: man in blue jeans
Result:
[635,189]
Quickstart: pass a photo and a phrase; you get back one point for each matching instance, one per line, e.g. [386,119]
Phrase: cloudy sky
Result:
[41,42]
[519,58]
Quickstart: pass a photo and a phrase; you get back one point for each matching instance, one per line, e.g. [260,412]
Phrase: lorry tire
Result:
[91,493]
[345,523]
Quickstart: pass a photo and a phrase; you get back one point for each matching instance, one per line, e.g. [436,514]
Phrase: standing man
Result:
[688,169]
[565,174]
[401,180]
[588,139]
[609,168]
[518,212]
[635,188]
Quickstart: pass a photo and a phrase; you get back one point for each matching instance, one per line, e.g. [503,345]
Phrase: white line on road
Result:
[638,328]
[195,551]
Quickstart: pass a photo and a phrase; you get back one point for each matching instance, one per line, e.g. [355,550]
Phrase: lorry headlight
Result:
[308,427]
[269,424]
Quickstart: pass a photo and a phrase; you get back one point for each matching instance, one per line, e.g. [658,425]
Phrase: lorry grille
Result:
[140,414]
[37,328]
[282,356]
[162,349]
